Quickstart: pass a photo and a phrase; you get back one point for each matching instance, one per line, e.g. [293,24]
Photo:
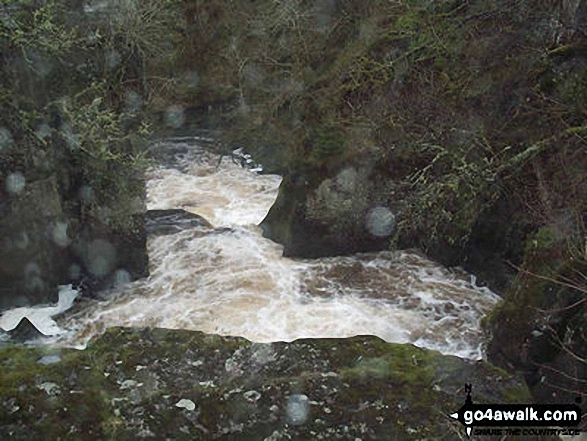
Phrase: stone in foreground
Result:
[161,384]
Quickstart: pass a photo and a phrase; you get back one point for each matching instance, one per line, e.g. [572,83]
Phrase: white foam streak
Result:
[41,316]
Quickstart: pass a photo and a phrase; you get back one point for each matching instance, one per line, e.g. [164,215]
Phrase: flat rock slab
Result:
[161,384]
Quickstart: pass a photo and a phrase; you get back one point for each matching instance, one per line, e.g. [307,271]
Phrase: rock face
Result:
[162,384]
[71,197]
[101,252]
[332,216]
[32,252]
[45,245]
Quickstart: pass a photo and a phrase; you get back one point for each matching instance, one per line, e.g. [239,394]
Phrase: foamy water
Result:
[41,316]
[235,282]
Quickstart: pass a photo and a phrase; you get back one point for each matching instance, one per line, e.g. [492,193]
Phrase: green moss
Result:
[358,386]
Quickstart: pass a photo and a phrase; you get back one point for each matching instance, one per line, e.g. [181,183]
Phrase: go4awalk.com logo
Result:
[544,419]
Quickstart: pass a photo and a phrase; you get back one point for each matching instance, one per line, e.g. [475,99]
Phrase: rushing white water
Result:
[235,282]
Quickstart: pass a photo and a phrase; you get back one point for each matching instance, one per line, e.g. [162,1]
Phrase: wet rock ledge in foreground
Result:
[180,385]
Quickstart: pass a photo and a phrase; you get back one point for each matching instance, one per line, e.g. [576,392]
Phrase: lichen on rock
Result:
[361,387]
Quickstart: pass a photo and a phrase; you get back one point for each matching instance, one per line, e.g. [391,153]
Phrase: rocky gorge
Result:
[454,127]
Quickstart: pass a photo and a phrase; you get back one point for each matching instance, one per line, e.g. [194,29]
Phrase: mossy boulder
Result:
[317,216]
[157,384]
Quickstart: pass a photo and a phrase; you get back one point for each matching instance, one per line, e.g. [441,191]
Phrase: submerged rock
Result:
[344,389]
[164,222]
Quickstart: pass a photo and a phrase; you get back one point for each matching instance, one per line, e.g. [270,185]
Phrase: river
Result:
[233,281]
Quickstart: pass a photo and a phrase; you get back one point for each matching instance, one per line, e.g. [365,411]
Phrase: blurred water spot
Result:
[93,7]
[41,160]
[20,301]
[133,102]
[92,37]
[6,139]
[347,179]
[121,278]
[86,193]
[298,409]
[39,64]
[380,221]
[72,139]
[100,257]
[43,130]
[243,107]
[59,234]
[74,271]
[112,58]
[15,183]
[21,241]
[175,117]
[32,269]
[192,79]
[32,277]
[367,32]
[253,74]
[324,12]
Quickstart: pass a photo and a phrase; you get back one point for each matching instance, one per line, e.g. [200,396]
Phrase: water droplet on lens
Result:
[32,277]
[43,131]
[86,193]
[74,272]
[32,269]
[59,234]
[133,102]
[192,79]
[21,241]
[380,222]
[347,179]
[113,59]
[15,183]
[71,138]
[40,65]
[100,257]
[121,278]
[6,139]
[175,117]
[298,409]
